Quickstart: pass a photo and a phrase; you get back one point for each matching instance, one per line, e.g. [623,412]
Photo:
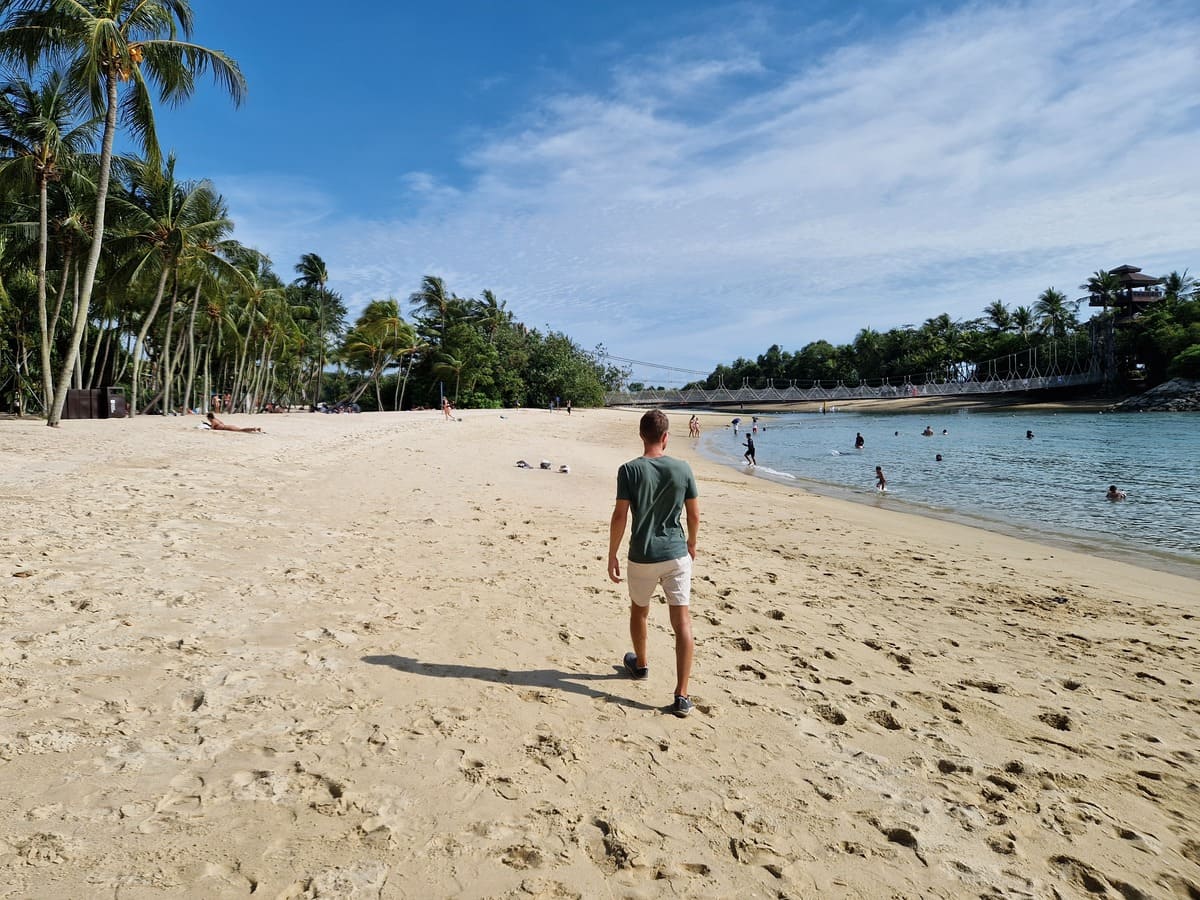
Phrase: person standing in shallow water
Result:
[749,454]
[859,443]
[657,490]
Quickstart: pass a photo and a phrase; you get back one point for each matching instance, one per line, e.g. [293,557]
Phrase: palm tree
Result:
[377,339]
[1053,315]
[1022,321]
[433,301]
[492,314]
[40,137]
[1178,285]
[1105,287]
[107,44]
[1000,317]
[446,366]
[168,220]
[315,276]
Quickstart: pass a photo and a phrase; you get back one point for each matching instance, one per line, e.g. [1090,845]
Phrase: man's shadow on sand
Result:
[552,679]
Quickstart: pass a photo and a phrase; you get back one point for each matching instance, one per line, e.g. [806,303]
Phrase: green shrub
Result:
[1186,364]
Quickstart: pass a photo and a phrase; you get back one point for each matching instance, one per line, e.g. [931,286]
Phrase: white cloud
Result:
[707,203]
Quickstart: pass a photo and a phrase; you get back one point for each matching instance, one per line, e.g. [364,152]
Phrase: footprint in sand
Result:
[830,714]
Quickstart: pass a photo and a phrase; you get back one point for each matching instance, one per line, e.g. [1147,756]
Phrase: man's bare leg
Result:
[639,630]
[681,622]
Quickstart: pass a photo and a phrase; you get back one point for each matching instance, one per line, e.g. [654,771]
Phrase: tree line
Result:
[114,270]
[1159,343]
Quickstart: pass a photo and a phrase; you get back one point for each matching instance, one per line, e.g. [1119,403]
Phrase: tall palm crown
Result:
[39,130]
[1104,286]
[1054,316]
[102,45]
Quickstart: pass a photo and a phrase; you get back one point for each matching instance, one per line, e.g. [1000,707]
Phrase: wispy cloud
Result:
[709,200]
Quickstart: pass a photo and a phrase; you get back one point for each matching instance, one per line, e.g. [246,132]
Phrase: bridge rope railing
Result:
[1038,368]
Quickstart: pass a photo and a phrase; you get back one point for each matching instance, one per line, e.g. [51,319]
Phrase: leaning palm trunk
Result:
[256,379]
[191,349]
[100,352]
[68,258]
[168,367]
[404,386]
[93,259]
[43,321]
[141,338]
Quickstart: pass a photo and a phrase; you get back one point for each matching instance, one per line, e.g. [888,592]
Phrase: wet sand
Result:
[367,656]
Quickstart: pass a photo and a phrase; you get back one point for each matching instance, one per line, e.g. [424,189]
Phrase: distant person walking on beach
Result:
[657,489]
[880,481]
[749,454]
[1114,494]
[217,425]
[447,409]
[859,443]
[694,426]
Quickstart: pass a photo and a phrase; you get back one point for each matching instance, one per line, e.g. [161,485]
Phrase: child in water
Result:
[749,454]
[880,481]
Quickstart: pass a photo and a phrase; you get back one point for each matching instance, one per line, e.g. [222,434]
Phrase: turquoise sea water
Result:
[1049,488]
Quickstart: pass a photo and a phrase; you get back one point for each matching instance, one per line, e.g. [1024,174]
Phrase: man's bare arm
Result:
[616,531]
[692,508]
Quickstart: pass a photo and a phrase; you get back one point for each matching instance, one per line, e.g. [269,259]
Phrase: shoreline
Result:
[371,654]
[910,404]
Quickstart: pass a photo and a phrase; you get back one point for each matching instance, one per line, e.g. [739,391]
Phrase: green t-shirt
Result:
[656,488]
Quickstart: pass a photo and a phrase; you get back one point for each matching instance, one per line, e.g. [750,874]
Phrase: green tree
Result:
[113,51]
[1023,321]
[999,316]
[1178,286]
[40,135]
[378,339]
[1105,287]
[164,222]
[1054,316]
[314,277]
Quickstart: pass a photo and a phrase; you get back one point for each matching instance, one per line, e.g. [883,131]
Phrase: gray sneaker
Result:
[682,707]
[635,671]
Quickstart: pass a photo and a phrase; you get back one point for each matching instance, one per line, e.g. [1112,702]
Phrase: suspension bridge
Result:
[1055,366]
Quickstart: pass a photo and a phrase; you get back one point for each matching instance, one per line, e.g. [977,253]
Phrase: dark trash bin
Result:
[116,407]
[86,403]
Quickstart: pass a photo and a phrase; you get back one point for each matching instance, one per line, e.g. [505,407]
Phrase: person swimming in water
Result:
[859,443]
[1114,494]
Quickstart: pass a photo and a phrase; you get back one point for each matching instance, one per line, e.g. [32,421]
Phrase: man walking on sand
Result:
[657,489]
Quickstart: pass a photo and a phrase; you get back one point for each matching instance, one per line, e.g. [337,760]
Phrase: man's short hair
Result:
[653,426]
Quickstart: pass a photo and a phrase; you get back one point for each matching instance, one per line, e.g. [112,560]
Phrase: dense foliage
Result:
[1002,343]
[116,272]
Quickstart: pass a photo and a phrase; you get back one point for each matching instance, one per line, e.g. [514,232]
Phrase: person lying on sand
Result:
[217,425]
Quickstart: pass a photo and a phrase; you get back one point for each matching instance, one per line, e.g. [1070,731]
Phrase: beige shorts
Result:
[675,576]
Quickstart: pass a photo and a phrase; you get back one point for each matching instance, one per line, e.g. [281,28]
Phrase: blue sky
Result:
[689,182]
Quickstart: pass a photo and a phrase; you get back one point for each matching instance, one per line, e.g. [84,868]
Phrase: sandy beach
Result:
[368,656]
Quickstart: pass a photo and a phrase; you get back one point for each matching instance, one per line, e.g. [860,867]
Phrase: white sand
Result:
[367,656]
